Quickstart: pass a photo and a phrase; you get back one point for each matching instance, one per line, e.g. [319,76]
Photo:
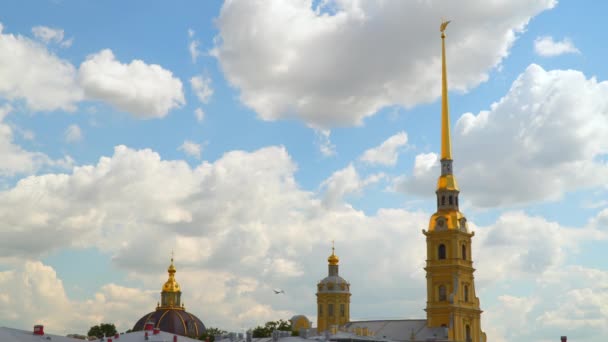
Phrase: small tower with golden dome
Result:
[170,296]
[451,299]
[333,297]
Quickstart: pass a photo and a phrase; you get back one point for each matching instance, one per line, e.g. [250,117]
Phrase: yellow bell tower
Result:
[333,297]
[451,299]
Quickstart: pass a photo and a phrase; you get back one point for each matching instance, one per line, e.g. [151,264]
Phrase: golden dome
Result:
[171,284]
[333,258]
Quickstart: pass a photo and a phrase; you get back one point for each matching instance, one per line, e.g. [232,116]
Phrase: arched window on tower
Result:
[442,293]
[467,333]
[342,310]
[441,252]
[466,293]
[330,309]
[464,252]
[450,200]
[442,200]
[320,309]
[456,197]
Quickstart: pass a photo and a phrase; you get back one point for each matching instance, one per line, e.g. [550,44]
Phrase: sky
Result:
[246,135]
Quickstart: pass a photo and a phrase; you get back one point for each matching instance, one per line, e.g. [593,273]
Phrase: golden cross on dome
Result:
[332,247]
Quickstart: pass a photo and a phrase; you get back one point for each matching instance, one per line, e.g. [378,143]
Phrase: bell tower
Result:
[333,297]
[451,299]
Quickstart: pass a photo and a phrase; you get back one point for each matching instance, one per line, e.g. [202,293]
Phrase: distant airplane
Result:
[277,291]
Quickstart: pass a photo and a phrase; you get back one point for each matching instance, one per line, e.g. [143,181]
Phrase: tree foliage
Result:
[269,327]
[103,329]
[211,333]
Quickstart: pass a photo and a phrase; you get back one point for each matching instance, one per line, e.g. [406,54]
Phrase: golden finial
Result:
[171,285]
[333,258]
[446,144]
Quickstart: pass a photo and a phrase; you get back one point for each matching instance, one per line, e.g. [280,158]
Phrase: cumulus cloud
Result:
[29,72]
[547,47]
[45,82]
[222,220]
[542,139]
[243,225]
[344,182]
[320,64]
[145,90]
[191,148]
[73,134]
[201,85]
[387,153]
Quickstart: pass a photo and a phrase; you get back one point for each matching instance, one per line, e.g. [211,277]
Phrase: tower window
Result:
[330,309]
[451,200]
[441,252]
[442,200]
[320,309]
[342,310]
[456,197]
[464,252]
[467,333]
[442,293]
[466,293]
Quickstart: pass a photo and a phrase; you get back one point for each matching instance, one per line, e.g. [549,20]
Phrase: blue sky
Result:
[321,122]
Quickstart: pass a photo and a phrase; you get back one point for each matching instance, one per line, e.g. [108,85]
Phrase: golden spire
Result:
[171,284]
[446,144]
[333,258]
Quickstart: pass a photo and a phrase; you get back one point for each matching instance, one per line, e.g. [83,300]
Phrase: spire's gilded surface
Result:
[446,180]
[447,216]
[446,143]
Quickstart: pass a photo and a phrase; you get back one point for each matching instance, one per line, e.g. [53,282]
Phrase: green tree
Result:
[211,333]
[269,327]
[103,329]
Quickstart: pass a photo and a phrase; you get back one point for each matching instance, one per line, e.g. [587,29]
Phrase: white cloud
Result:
[16,160]
[541,140]
[145,90]
[321,64]
[29,72]
[344,182]
[547,47]
[191,148]
[387,153]
[223,221]
[201,85]
[48,34]
[243,225]
[199,114]
[193,46]
[326,148]
[194,51]
[35,294]
[73,134]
